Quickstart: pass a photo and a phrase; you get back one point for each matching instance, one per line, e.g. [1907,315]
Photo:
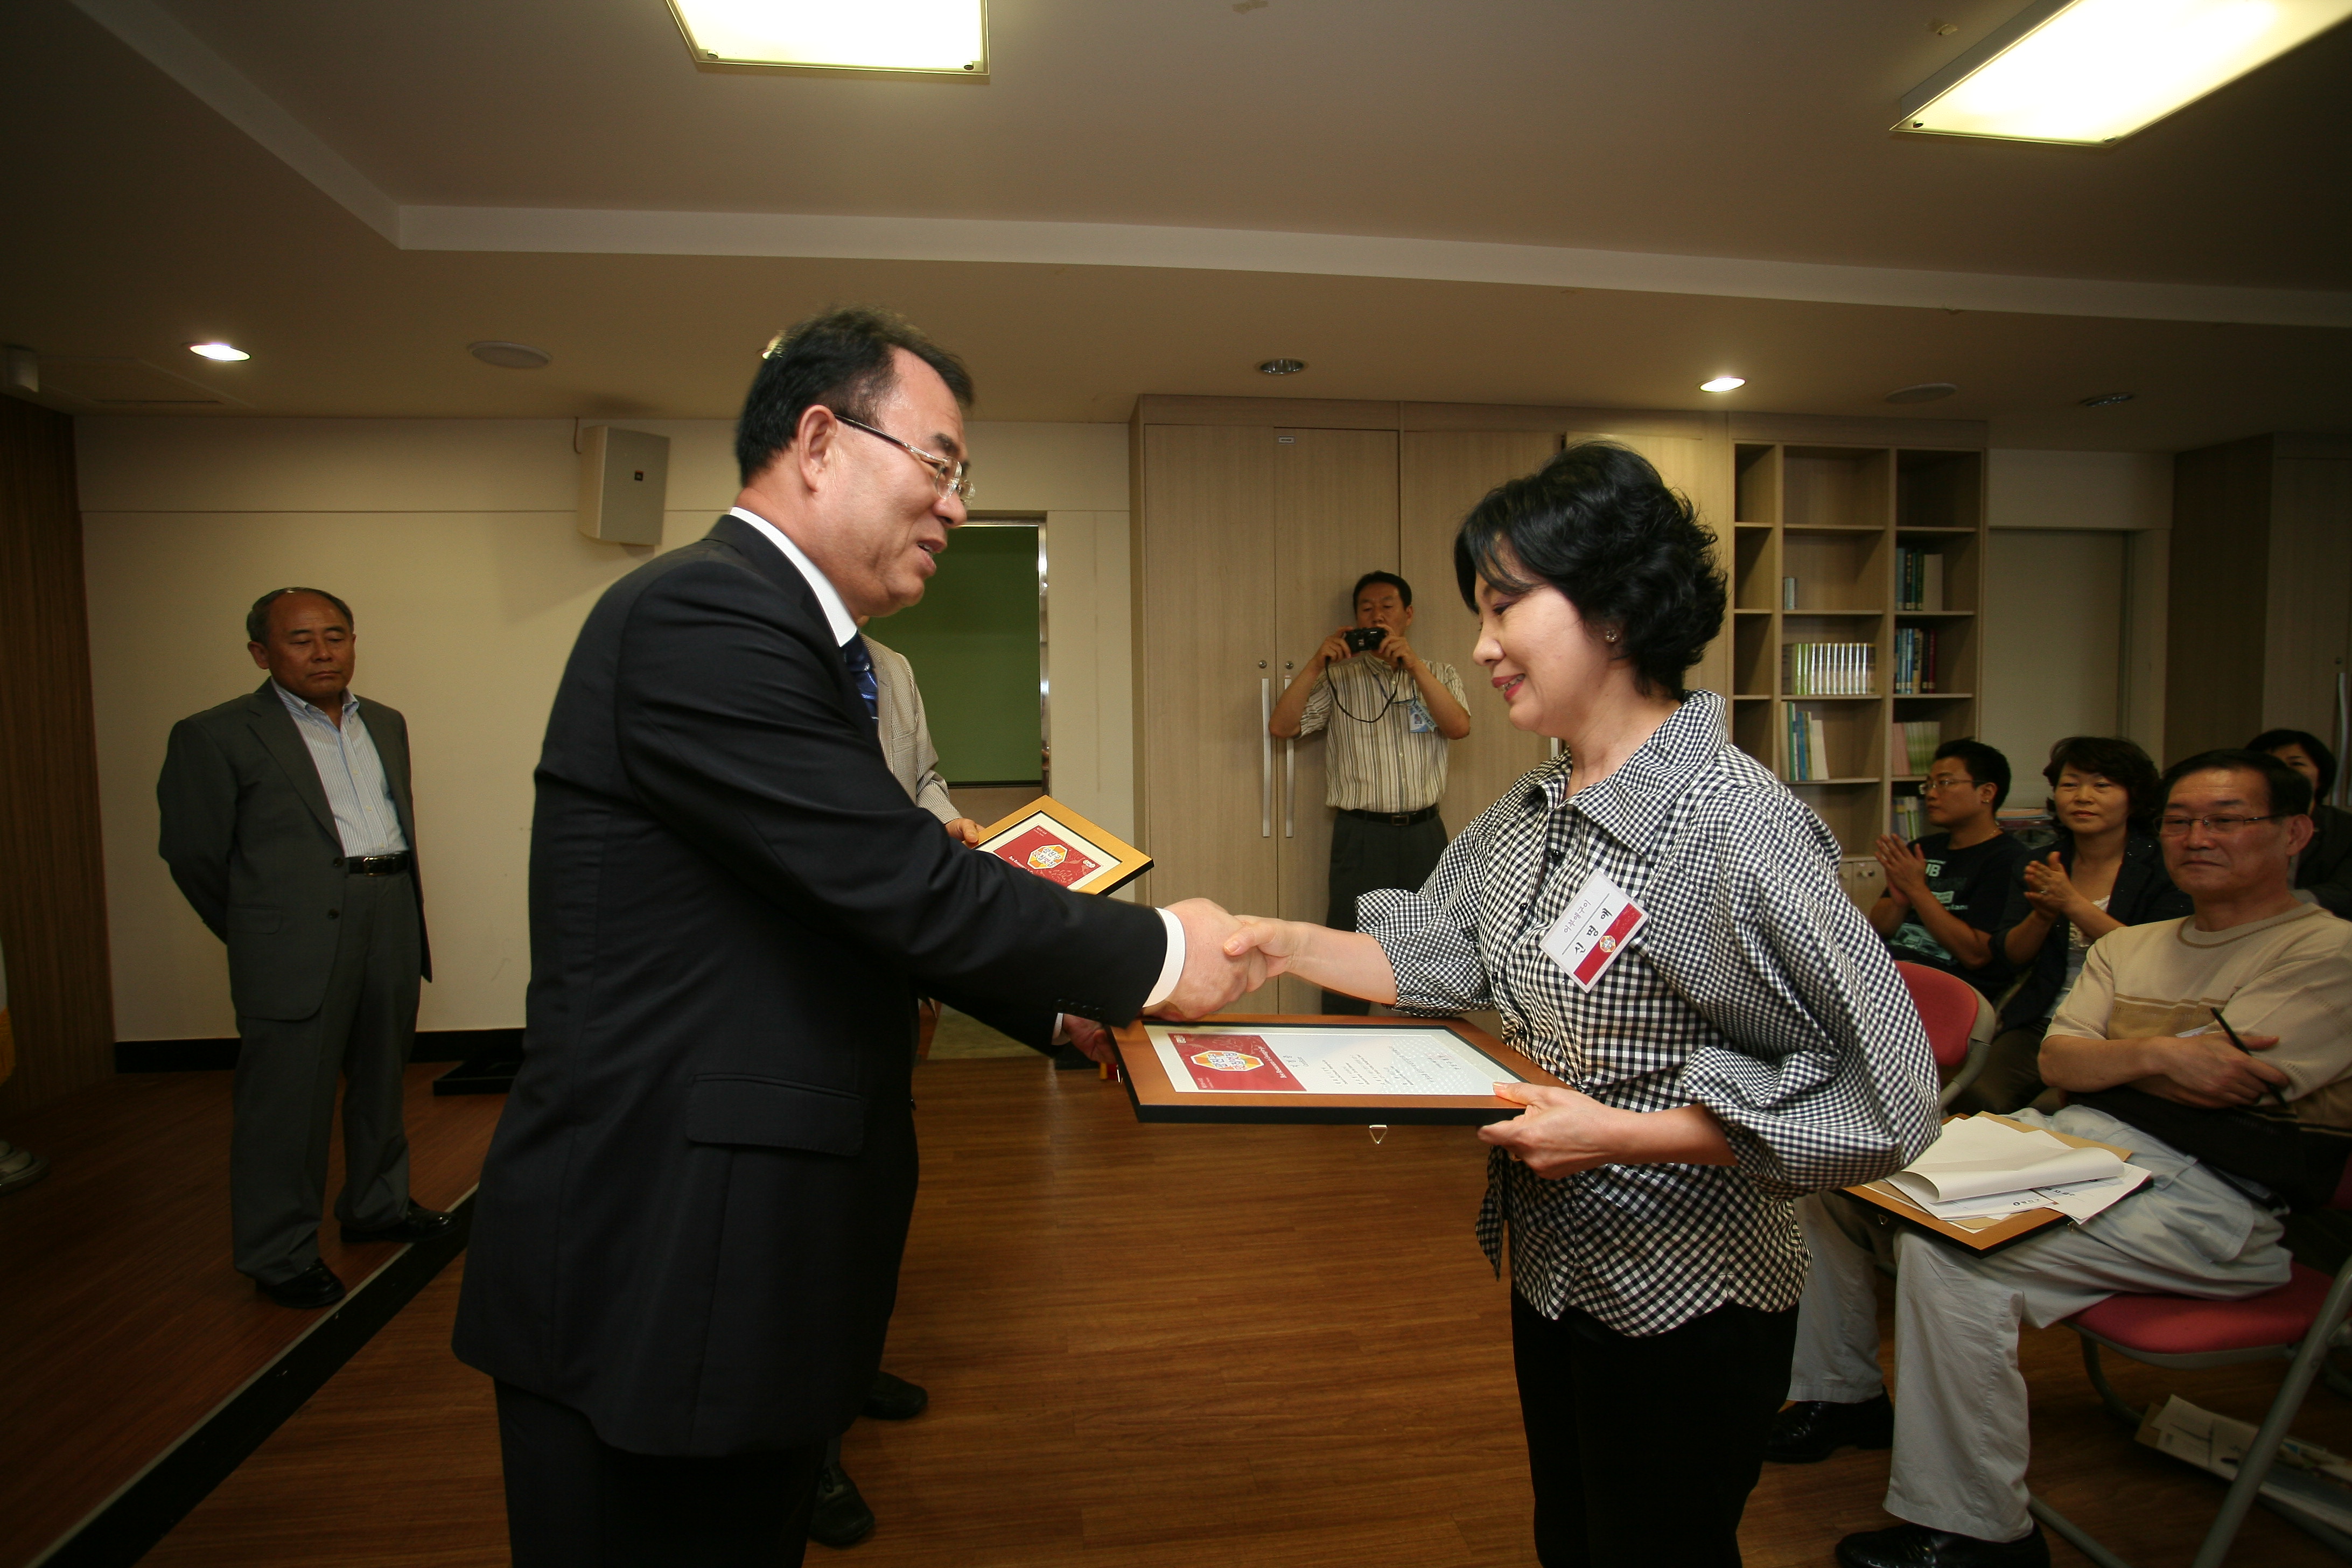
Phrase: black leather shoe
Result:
[315,1287]
[895,1399]
[1916,1546]
[1813,1429]
[840,1517]
[419,1224]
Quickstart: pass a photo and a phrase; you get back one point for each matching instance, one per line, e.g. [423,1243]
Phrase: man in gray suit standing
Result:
[288,823]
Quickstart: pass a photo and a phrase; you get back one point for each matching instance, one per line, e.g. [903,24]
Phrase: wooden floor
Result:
[1170,1345]
[121,1324]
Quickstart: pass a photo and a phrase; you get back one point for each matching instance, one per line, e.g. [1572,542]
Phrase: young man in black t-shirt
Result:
[1944,892]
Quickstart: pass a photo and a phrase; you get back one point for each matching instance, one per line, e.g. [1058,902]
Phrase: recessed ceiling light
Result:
[948,36]
[2094,71]
[2103,399]
[510,357]
[1926,392]
[1280,367]
[221,352]
[1723,384]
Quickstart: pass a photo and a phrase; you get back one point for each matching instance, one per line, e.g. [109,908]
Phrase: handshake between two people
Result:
[1227,956]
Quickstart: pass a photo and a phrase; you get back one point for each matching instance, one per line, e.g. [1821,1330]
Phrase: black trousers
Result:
[1368,854]
[573,1501]
[1644,1450]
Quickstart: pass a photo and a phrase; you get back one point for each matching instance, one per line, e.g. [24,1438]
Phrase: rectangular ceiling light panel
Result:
[944,36]
[2094,71]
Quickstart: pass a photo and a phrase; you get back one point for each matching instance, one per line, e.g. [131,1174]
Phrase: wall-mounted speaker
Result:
[623,479]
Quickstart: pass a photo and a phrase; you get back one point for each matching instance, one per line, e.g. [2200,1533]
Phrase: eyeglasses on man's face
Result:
[2179,826]
[1931,786]
[948,478]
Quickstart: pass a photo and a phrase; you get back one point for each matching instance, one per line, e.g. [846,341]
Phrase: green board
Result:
[974,644]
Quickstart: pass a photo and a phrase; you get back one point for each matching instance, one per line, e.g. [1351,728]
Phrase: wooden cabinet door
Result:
[1206,672]
[1443,474]
[1335,517]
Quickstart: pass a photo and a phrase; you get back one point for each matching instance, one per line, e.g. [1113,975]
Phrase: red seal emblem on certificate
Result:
[1040,851]
[1234,1061]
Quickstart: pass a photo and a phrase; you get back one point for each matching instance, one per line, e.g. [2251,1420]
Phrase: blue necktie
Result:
[861,671]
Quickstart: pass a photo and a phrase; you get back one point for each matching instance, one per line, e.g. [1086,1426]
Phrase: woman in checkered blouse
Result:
[1741,1040]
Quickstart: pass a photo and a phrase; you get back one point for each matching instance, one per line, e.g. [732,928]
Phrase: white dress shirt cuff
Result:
[1171,968]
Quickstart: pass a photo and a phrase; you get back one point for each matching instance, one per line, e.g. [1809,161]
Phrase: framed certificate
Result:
[1332,1070]
[1050,839]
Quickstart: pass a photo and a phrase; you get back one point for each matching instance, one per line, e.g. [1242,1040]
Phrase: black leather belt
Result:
[1393,818]
[379,865]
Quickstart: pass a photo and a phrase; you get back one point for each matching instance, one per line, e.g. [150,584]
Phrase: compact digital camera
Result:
[1364,640]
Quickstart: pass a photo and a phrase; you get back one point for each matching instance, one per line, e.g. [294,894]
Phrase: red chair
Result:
[1959,1020]
[2300,1323]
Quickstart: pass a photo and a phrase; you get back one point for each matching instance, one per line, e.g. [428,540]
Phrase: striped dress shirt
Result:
[1755,988]
[351,772]
[1375,760]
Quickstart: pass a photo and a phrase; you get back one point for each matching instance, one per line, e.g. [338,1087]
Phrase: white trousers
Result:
[1962,1439]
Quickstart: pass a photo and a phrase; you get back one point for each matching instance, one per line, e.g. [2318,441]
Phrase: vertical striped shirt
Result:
[1753,988]
[1375,759]
[351,772]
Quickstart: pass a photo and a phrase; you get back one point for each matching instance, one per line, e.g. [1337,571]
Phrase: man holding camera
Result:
[1390,715]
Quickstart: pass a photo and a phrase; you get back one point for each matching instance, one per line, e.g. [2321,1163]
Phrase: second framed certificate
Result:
[1351,1071]
[1048,839]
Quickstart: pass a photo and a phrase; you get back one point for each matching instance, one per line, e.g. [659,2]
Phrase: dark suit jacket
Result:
[2144,892]
[252,844]
[2325,868]
[690,1219]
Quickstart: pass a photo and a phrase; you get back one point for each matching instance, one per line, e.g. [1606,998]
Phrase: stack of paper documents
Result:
[1981,1168]
[2305,1477]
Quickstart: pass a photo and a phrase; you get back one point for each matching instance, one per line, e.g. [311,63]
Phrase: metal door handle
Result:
[1290,787]
[1266,756]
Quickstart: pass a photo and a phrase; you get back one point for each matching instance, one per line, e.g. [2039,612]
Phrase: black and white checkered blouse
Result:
[1755,989]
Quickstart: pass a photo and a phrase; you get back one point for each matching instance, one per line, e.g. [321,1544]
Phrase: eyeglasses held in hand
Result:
[947,479]
[2176,827]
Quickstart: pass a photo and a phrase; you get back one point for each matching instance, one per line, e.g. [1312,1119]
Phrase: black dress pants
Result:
[573,1501]
[1644,1450]
[1366,855]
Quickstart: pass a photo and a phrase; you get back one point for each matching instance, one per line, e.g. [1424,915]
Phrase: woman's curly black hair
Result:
[1597,524]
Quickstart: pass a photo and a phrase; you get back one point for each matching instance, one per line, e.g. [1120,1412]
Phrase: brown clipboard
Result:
[2010,1228]
[1073,833]
[1155,1098]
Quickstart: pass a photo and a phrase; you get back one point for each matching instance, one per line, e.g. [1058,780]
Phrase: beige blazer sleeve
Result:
[905,737]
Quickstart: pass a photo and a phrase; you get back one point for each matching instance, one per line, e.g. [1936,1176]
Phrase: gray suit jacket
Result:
[251,842]
[906,737]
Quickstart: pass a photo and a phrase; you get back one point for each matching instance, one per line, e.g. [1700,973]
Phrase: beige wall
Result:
[2074,582]
[454,541]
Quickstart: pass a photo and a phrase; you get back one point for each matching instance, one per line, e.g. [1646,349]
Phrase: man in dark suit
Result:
[686,1243]
[288,822]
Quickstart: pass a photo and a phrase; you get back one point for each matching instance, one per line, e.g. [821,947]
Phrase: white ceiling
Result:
[1516,200]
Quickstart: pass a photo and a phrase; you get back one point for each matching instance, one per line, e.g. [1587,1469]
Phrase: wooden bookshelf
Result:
[1835,519]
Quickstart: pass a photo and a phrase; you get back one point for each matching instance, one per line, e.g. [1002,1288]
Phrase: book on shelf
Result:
[1916,740]
[1828,668]
[1809,745]
[1914,660]
[1918,579]
[1910,821]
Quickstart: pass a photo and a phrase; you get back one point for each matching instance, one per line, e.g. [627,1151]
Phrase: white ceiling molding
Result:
[182,56]
[188,60]
[593,231]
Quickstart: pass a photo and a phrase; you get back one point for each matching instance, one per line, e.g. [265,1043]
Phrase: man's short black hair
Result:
[1404,588]
[840,358]
[2313,747]
[2117,761]
[257,619]
[1597,524]
[2290,792]
[1985,764]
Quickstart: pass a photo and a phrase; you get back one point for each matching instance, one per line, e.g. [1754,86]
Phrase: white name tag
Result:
[1597,925]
